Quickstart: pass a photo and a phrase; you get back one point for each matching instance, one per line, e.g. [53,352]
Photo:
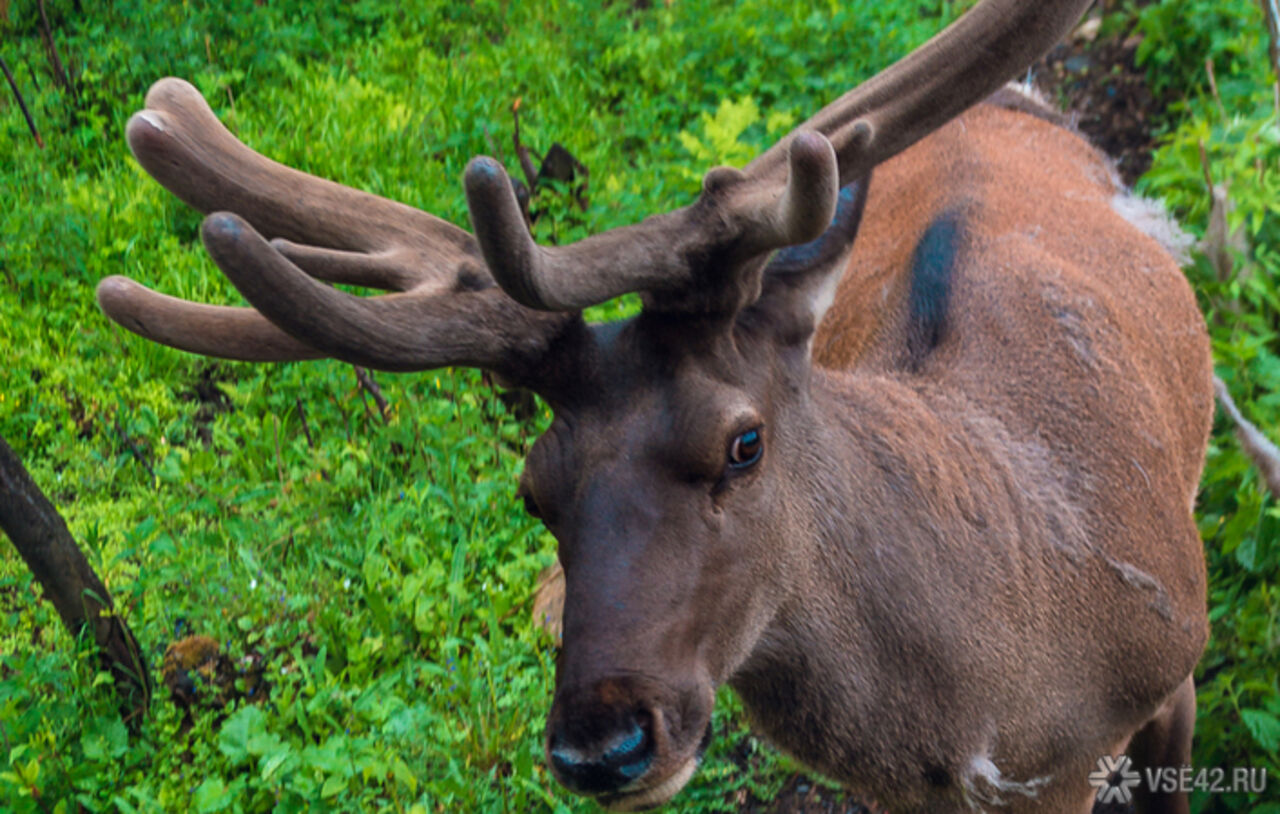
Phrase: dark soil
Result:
[210,400]
[1097,82]
[802,796]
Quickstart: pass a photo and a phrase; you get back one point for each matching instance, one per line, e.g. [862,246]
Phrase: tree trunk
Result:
[1271,10]
[42,538]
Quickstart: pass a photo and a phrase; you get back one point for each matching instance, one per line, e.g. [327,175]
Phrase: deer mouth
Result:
[651,794]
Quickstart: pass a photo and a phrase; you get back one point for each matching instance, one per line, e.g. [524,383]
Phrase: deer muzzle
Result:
[629,742]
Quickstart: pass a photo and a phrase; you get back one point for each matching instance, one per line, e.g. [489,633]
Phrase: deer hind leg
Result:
[1165,741]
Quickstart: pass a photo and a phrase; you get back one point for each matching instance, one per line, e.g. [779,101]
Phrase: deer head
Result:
[679,475]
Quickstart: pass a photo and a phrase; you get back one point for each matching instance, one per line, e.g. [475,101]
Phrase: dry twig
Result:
[1265,454]
[22,103]
[306,428]
[371,387]
[59,72]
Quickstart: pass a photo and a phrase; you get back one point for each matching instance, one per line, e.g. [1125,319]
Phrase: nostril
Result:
[629,743]
[566,760]
[607,767]
[584,775]
[632,755]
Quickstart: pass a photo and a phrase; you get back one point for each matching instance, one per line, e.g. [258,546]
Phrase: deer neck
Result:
[855,675]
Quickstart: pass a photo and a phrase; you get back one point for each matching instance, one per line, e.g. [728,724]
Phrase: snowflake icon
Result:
[1119,790]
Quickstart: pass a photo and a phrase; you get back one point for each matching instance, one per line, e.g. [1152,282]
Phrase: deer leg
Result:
[1166,741]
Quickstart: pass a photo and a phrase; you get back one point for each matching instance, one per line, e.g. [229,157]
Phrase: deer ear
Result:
[800,281]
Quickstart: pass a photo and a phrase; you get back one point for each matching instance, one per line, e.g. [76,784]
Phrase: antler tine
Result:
[564,279]
[340,234]
[296,317]
[808,202]
[732,217]
[416,330]
[335,232]
[959,67]
[242,334]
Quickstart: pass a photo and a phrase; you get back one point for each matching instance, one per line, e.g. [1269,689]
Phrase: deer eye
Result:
[746,449]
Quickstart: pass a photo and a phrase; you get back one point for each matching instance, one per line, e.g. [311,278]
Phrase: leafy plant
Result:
[1180,36]
[1229,133]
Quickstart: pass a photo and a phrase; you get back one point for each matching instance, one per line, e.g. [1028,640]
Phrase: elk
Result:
[918,485]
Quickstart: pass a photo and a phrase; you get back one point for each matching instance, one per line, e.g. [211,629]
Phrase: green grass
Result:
[383,574]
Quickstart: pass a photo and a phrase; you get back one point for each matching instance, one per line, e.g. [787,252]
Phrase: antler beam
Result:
[733,217]
[962,65]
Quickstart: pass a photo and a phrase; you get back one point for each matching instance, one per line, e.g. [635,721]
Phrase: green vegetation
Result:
[1235,120]
[381,570]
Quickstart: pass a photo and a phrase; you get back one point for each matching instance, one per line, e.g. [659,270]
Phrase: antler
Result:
[743,214]
[704,257]
[446,310]
[962,65]
[733,220]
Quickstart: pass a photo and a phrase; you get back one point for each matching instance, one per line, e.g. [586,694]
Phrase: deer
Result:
[910,463]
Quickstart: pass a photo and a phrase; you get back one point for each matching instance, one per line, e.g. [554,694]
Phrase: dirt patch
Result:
[802,796]
[11,598]
[1097,79]
[210,400]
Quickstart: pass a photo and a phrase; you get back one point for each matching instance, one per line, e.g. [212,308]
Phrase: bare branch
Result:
[1213,86]
[372,388]
[59,72]
[306,428]
[1265,454]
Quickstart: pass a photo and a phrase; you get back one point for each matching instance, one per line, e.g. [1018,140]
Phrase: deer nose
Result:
[606,766]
